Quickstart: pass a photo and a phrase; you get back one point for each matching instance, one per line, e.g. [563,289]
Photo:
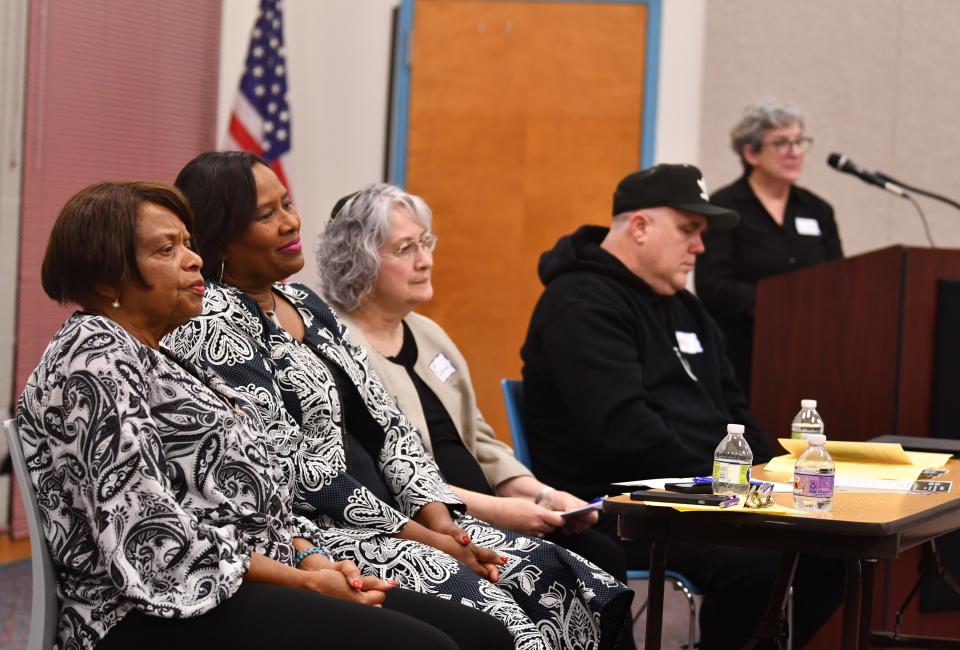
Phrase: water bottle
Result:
[813,476]
[731,463]
[807,421]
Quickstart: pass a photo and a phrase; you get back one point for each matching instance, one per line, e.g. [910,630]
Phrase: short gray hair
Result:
[348,250]
[757,119]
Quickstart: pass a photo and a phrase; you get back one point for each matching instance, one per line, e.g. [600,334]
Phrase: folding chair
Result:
[45,607]
[513,399]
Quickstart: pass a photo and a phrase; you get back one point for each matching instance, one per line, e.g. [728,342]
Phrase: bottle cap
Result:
[808,403]
[816,438]
[735,428]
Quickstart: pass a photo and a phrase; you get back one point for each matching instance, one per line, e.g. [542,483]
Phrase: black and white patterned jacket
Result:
[298,400]
[155,482]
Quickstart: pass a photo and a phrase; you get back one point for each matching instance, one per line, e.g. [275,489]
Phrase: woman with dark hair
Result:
[165,517]
[357,461]
[782,226]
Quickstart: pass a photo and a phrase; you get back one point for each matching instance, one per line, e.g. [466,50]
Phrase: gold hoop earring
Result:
[223,262]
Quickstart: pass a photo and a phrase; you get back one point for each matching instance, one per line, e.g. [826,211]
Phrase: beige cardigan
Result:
[456,394]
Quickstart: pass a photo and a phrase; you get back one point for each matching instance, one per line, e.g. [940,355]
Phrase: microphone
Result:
[843,164]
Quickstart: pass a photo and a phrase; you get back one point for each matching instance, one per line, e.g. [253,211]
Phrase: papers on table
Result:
[660,483]
[882,453]
[869,466]
[775,509]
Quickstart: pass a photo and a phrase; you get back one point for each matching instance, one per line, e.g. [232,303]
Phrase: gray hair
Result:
[757,119]
[348,250]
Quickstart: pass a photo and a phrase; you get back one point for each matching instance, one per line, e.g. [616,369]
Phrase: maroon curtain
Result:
[116,89]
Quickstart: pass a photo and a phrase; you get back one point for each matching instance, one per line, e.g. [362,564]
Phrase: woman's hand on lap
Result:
[332,582]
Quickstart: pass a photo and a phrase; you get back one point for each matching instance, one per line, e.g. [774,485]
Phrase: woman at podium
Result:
[782,225]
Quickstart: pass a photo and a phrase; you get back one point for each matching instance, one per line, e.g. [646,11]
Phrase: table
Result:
[862,528]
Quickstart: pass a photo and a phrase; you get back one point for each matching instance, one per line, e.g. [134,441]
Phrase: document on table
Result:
[660,483]
[882,453]
[865,465]
[775,509]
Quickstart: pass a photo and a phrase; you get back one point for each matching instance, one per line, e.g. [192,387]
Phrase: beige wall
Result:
[13,38]
[338,60]
[876,80]
[338,57]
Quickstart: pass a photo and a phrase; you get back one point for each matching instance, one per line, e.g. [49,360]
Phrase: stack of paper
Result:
[865,465]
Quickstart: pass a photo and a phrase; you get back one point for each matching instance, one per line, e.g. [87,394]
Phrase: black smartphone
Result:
[679,497]
[689,487]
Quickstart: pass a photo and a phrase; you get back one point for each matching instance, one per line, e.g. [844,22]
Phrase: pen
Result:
[709,479]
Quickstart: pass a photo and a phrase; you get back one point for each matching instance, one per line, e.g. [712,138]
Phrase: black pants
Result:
[607,554]
[261,617]
[737,582]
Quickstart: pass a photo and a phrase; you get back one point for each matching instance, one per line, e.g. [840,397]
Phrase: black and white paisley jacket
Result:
[155,482]
[298,400]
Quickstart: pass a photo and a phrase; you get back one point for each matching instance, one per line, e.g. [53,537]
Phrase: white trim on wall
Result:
[680,83]
[13,31]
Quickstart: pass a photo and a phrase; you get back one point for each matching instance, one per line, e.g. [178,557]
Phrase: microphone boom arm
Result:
[939,197]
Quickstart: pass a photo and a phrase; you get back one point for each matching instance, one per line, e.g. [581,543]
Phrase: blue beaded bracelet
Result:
[307,552]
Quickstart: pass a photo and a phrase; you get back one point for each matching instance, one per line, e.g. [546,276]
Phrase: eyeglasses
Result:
[407,250]
[783,145]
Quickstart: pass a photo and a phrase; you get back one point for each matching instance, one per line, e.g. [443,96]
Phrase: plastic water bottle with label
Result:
[813,476]
[731,463]
[807,421]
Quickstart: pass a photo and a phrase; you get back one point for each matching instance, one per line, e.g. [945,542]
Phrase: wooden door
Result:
[522,118]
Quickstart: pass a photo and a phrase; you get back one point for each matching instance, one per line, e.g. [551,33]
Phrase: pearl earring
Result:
[116,303]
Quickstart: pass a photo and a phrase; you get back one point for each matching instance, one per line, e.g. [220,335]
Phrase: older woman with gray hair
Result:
[782,226]
[375,259]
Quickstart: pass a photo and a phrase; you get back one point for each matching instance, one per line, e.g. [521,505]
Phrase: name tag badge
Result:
[441,366]
[689,343]
[807,226]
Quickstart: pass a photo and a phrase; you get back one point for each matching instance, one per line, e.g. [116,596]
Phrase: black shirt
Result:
[734,260]
[456,464]
[363,438]
[611,393]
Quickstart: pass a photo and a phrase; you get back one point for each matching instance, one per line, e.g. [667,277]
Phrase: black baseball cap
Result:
[680,187]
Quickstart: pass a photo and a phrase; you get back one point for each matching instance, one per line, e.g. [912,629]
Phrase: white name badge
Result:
[441,366]
[807,226]
[689,343]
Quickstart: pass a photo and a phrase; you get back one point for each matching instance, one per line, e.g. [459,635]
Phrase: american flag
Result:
[260,121]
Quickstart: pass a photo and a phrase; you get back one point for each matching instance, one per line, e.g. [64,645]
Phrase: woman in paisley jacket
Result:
[166,517]
[358,462]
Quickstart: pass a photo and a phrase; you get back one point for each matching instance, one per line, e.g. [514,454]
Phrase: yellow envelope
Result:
[775,509]
[886,460]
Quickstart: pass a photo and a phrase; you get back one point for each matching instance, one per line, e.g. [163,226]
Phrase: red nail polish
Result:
[466,539]
[504,560]
[356,583]
[393,581]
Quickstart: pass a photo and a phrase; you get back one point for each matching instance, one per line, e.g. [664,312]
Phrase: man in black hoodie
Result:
[625,377]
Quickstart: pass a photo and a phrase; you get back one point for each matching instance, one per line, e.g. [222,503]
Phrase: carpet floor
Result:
[15,591]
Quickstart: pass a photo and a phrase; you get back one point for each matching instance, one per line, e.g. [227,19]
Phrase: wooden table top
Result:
[862,513]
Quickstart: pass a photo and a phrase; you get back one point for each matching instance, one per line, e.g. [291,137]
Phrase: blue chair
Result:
[513,400]
[45,606]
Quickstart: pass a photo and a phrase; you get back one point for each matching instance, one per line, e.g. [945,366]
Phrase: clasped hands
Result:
[342,579]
